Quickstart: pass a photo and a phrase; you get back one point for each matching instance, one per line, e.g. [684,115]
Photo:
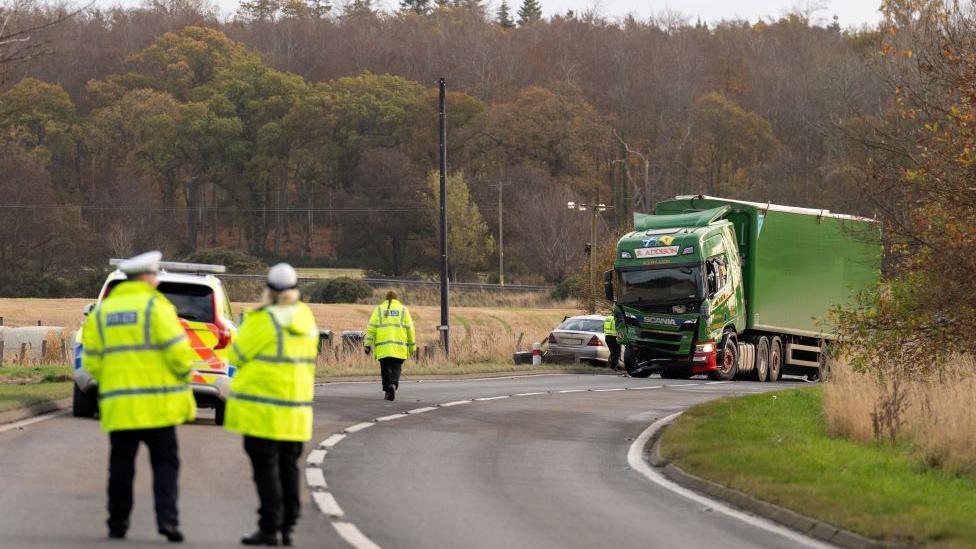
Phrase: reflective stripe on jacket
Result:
[137,350]
[610,326]
[390,332]
[271,394]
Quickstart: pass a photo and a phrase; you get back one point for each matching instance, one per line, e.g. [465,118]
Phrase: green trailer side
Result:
[798,262]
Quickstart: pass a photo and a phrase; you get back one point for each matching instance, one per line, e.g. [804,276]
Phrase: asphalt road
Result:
[543,470]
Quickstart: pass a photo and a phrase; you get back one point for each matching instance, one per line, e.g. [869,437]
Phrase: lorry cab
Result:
[205,312]
[678,290]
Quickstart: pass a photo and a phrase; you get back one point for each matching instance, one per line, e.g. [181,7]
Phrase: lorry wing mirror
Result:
[608,285]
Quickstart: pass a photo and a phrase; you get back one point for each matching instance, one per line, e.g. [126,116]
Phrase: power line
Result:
[206,209]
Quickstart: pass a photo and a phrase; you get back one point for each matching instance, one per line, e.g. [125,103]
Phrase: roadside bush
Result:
[32,284]
[337,290]
[237,262]
[567,288]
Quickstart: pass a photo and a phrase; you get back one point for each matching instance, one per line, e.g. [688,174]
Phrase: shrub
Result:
[568,288]
[237,262]
[337,290]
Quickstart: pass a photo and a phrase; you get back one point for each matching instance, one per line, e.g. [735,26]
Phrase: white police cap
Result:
[282,277]
[142,263]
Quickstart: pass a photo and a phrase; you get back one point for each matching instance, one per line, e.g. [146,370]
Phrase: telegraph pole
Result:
[501,239]
[595,209]
[445,320]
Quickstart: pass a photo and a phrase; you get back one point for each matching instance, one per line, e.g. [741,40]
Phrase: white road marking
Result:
[315,457]
[315,478]
[422,410]
[353,536]
[529,394]
[716,382]
[635,458]
[332,440]
[358,427]
[647,387]
[573,391]
[327,504]
[391,417]
[30,421]
[683,385]
[455,403]
[609,390]
[491,398]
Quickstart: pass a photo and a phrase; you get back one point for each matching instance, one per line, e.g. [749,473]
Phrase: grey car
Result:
[581,337]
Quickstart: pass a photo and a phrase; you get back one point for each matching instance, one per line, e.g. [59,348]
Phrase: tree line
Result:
[301,130]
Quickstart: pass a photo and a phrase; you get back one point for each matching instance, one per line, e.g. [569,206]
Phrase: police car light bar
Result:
[178,267]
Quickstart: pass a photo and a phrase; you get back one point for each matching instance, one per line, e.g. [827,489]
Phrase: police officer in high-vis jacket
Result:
[137,350]
[390,336]
[270,401]
[610,331]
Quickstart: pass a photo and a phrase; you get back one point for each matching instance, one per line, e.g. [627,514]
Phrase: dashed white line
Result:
[683,385]
[315,457]
[30,421]
[332,440]
[609,390]
[455,403]
[391,417]
[315,478]
[483,399]
[572,391]
[647,387]
[358,427]
[529,394]
[353,536]
[327,504]
[422,410]
[716,382]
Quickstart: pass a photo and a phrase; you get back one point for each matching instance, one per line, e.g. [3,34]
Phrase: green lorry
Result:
[731,288]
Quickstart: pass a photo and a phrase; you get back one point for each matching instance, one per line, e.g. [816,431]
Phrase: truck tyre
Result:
[219,410]
[761,372]
[728,359]
[630,360]
[84,404]
[775,358]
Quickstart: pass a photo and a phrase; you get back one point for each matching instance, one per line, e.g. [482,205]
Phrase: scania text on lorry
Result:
[725,287]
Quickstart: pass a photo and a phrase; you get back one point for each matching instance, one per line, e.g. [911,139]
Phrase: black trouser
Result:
[275,464]
[164,454]
[614,346]
[390,370]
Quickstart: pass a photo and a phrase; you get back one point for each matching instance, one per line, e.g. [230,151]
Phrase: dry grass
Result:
[935,418]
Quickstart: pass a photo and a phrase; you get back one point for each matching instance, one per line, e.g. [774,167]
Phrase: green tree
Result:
[468,240]
[530,12]
[420,7]
[504,17]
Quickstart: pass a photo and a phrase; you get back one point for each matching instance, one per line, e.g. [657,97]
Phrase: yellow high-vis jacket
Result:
[610,326]
[390,332]
[137,350]
[271,394]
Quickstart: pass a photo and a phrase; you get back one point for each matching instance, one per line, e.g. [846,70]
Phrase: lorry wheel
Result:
[83,404]
[775,358]
[630,360]
[219,410]
[728,359]
[761,371]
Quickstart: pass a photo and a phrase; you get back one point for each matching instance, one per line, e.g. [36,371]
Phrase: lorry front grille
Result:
[664,336]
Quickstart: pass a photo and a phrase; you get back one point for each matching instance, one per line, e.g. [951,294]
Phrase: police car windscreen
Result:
[192,301]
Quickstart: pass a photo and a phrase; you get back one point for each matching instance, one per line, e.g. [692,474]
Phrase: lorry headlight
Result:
[679,309]
[707,347]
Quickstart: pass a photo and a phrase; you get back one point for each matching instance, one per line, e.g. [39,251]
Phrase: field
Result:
[776,446]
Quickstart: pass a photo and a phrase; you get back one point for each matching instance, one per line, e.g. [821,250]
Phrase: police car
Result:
[205,312]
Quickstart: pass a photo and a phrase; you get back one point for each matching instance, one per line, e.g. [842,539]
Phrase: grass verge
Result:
[777,447]
[24,386]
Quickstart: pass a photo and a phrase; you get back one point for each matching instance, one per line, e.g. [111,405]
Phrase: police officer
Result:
[270,400]
[610,330]
[137,350]
[390,334]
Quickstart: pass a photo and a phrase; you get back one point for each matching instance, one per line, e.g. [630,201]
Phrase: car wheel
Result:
[219,410]
[728,359]
[761,371]
[84,404]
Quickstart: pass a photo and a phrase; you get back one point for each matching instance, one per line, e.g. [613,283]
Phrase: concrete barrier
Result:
[33,344]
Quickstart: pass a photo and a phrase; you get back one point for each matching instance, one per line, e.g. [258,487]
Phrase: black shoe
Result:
[260,537]
[286,537]
[172,533]
[116,534]
[390,394]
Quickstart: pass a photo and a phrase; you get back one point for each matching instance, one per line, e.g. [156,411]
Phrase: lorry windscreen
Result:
[665,285]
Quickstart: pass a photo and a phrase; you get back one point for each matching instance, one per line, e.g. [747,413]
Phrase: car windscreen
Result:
[192,301]
[666,285]
[582,325]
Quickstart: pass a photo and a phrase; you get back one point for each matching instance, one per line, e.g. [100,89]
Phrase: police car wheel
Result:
[83,404]
[219,410]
